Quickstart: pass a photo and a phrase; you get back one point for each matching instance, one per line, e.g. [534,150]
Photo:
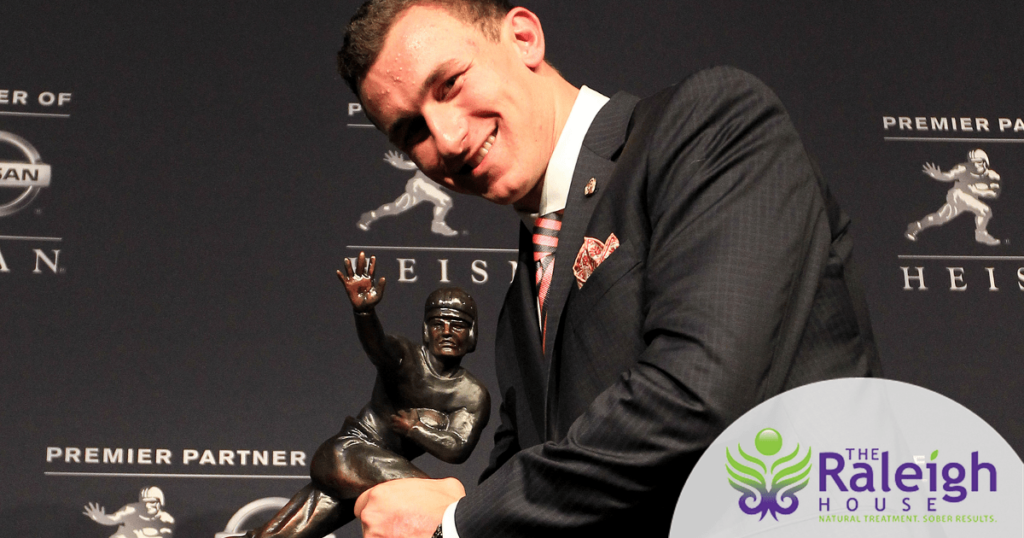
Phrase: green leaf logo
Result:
[767,491]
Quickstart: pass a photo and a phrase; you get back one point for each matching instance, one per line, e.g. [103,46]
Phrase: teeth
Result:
[484,150]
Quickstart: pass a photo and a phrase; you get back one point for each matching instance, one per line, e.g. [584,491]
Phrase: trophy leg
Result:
[310,514]
[346,466]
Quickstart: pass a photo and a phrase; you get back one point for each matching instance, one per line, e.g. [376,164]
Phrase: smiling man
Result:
[681,261]
[497,107]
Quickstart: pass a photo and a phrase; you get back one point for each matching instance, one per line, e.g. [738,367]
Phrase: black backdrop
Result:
[172,288]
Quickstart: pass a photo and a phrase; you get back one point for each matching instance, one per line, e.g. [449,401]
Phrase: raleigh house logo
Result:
[865,479]
[889,460]
[768,489]
[868,483]
[25,179]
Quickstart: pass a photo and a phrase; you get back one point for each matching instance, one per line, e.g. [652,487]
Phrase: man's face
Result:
[448,335]
[979,167]
[469,111]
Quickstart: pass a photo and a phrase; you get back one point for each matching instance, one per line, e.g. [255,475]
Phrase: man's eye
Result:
[415,132]
[448,86]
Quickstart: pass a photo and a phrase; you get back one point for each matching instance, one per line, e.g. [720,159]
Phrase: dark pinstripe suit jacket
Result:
[732,284]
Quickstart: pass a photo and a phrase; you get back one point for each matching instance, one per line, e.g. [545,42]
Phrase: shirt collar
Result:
[558,176]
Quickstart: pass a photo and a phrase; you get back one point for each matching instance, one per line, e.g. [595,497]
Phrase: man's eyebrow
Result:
[439,72]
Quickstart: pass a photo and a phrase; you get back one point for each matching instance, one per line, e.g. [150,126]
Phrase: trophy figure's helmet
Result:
[152,494]
[451,302]
[977,156]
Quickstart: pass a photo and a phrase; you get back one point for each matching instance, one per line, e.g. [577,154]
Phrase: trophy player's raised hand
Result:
[932,171]
[362,290]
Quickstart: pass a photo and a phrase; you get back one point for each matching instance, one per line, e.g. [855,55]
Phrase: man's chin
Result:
[502,200]
[496,190]
[487,192]
[516,199]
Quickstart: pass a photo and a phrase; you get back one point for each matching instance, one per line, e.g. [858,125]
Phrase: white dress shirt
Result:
[558,176]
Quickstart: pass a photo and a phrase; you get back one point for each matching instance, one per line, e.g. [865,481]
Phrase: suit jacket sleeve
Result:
[737,277]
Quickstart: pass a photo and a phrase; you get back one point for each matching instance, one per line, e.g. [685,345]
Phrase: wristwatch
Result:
[438,533]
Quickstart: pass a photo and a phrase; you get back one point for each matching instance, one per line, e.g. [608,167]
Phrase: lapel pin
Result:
[591,187]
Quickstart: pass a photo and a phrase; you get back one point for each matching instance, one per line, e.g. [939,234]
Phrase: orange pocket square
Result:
[592,253]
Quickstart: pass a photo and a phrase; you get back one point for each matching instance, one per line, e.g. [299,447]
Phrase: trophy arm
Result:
[455,442]
[384,351]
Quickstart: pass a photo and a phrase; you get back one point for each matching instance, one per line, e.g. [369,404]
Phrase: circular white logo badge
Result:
[855,457]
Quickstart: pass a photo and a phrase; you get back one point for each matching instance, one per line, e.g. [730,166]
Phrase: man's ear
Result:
[527,35]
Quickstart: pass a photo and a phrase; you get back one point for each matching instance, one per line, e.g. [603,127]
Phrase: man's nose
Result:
[449,129]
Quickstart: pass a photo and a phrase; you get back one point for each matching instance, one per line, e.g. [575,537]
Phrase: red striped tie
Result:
[545,241]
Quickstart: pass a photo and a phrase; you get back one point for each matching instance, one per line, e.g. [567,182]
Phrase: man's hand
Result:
[359,284]
[406,508]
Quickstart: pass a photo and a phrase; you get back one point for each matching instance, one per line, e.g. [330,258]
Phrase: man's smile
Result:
[484,150]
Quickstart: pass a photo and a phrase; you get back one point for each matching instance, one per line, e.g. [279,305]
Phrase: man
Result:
[137,520]
[700,266]
[422,401]
[418,189]
[972,180]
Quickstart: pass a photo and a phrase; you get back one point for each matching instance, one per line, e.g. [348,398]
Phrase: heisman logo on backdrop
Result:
[144,518]
[768,489]
[973,184]
[25,179]
[960,157]
[418,189]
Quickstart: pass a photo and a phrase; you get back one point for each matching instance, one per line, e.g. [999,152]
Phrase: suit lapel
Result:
[604,139]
